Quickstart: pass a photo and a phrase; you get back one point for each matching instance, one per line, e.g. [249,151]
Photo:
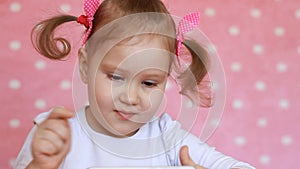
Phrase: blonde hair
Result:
[46,43]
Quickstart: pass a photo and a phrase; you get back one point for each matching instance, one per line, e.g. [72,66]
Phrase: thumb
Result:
[185,158]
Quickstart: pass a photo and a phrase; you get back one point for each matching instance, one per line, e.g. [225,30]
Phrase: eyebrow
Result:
[154,72]
[111,67]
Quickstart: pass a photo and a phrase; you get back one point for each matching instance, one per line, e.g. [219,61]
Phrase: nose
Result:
[130,94]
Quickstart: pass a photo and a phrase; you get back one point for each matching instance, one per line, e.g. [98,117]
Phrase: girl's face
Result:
[129,86]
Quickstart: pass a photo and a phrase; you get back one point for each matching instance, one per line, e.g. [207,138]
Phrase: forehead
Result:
[140,53]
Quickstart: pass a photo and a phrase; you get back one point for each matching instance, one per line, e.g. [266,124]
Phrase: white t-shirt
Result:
[157,143]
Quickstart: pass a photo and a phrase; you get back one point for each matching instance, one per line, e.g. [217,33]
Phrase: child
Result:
[127,55]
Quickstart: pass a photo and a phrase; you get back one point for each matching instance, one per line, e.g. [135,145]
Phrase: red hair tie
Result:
[90,8]
[186,24]
[82,19]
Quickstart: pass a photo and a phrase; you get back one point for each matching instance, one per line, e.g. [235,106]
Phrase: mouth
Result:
[123,115]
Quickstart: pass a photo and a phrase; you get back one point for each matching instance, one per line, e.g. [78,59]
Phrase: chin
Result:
[124,133]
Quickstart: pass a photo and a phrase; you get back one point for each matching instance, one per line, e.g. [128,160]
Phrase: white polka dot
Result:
[210,12]
[258,49]
[279,31]
[286,140]
[15,7]
[65,85]
[214,122]
[237,104]
[189,104]
[234,30]
[14,123]
[264,159]
[12,162]
[65,8]
[61,46]
[262,122]
[214,85]
[40,64]
[212,48]
[255,13]
[39,27]
[240,140]
[168,85]
[260,85]
[297,13]
[15,45]
[236,67]
[281,67]
[298,50]
[284,104]
[40,104]
[14,84]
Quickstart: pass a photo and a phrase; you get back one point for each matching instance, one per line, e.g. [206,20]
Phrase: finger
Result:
[185,158]
[60,127]
[44,147]
[61,113]
[56,143]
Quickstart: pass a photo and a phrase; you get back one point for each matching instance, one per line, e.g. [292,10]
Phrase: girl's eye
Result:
[150,83]
[115,77]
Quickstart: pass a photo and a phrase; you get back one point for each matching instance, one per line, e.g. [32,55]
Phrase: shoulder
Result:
[156,126]
[171,130]
[165,122]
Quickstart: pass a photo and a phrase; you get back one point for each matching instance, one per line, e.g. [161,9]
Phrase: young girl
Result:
[129,50]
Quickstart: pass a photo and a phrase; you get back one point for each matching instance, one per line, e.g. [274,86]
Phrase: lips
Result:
[123,115]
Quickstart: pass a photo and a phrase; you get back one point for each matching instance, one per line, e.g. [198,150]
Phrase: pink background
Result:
[258,42]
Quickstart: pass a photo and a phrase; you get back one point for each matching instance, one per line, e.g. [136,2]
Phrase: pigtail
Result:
[196,85]
[44,41]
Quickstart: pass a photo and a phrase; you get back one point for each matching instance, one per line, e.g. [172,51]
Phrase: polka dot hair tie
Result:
[188,23]
[90,8]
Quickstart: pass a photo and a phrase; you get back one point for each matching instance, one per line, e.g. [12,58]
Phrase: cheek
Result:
[154,105]
[102,92]
[154,100]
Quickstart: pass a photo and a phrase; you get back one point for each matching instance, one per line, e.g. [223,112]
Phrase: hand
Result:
[51,141]
[186,160]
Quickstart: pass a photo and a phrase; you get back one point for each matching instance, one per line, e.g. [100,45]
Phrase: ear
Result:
[83,64]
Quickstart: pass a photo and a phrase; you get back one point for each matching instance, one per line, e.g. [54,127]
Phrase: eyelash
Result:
[116,77]
[150,83]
